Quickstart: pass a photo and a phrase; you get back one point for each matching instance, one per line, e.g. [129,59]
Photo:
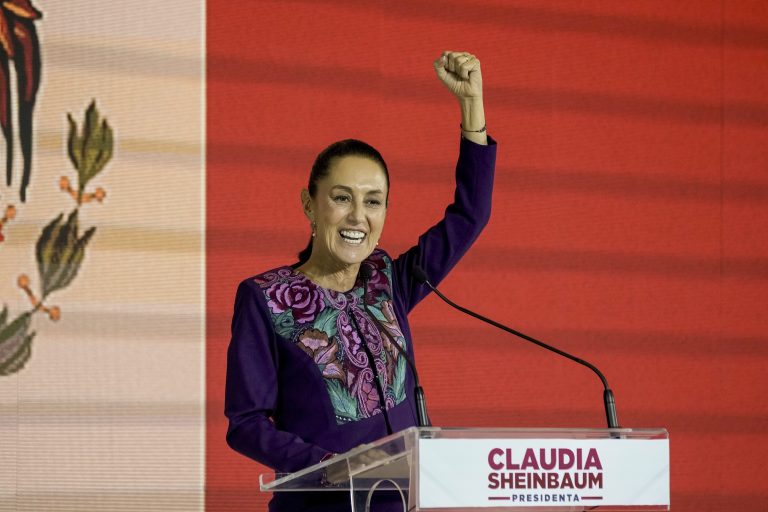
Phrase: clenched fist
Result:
[460,72]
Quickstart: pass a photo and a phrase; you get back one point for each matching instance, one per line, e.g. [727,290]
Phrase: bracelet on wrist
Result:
[481,130]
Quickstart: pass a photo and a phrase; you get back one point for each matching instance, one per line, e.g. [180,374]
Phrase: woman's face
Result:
[348,211]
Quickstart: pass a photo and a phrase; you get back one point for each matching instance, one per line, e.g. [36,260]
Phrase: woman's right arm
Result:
[441,247]
[251,391]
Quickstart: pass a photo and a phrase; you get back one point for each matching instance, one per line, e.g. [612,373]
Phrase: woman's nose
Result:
[356,212]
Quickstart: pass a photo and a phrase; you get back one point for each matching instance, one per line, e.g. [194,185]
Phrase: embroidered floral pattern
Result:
[329,327]
[317,346]
[300,296]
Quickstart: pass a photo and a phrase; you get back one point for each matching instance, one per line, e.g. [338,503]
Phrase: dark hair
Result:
[322,166]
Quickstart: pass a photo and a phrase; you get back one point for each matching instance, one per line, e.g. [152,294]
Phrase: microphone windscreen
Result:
[419,274]
[365,272]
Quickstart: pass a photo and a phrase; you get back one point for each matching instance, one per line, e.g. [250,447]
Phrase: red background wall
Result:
[629,221]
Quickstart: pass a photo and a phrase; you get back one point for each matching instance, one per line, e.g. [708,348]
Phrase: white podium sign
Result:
[485,473]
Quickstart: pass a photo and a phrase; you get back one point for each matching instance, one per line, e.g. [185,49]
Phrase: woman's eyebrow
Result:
[350,190]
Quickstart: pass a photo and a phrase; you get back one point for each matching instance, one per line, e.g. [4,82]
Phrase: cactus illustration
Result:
[60,248]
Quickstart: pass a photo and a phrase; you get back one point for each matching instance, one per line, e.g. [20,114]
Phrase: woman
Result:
[312,370]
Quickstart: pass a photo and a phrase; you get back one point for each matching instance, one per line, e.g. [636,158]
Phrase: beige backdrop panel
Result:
[108,412]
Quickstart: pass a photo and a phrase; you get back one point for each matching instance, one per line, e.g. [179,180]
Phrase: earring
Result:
[314,229]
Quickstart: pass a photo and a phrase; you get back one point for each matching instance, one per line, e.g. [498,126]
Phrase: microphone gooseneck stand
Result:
[608,399]
[422,417]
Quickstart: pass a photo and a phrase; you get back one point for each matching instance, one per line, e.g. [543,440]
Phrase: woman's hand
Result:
[460,72]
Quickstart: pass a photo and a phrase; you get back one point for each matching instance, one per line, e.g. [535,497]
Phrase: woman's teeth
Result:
[352,237]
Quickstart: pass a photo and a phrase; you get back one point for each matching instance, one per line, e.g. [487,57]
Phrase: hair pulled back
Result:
[322,167]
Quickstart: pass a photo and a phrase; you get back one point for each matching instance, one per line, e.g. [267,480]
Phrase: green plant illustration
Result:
[90,150]
[61,246]
[60,252]
[15,342]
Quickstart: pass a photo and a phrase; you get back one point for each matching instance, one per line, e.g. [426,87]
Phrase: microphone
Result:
[418,392]
[608,400]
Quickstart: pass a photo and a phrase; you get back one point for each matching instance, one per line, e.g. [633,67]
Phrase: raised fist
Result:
[460,72]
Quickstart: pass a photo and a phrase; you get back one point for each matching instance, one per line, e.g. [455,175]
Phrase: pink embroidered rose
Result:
[304,299]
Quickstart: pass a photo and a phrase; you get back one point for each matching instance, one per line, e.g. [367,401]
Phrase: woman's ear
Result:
[306,204]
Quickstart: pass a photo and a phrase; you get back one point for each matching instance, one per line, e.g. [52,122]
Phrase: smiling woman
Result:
[313,368]
[347,213]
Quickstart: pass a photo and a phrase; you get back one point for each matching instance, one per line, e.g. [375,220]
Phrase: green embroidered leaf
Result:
[15,343]
[60,252]
[398,386]
[74,144]
[387,268]
[344,404]
[326,321]
[45,245]
[376,312]
[284,324]
[90,151]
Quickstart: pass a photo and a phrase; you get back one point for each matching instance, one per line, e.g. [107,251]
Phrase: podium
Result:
[451,469]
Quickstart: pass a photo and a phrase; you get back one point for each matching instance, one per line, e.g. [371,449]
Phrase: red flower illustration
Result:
[19,42]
